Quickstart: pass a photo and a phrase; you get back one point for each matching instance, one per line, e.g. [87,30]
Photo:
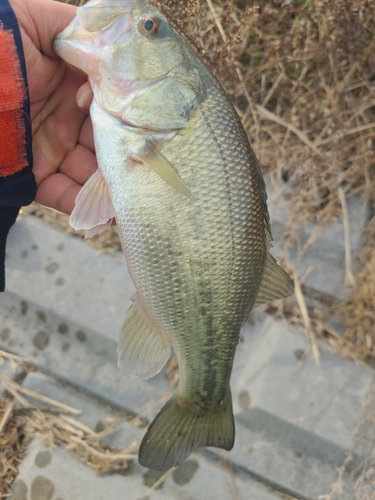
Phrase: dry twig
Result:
[349,276]
[10,384]
[306,318]
[159,481]
[7,413]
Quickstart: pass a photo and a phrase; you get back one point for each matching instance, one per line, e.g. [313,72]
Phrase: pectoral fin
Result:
[93,209]
[154,159]
[142,351]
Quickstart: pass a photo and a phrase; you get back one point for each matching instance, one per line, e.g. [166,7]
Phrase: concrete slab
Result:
[72,352]
[326,253]
[294,420]
[324,400]
[268,374]
[7,370]
[55,473]
[63,274]
[288,459]
[95,414]
[46,474]
[291,458]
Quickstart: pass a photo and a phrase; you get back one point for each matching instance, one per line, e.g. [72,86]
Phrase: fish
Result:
[178,175]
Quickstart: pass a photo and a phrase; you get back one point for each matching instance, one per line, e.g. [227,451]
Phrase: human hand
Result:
[63,146]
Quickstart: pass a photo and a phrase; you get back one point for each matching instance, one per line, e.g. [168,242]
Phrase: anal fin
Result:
[142,351]
[275,283]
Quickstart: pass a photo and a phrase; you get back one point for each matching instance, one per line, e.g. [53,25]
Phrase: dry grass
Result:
[56,424]
[12,446]
[307,93]
[359,309]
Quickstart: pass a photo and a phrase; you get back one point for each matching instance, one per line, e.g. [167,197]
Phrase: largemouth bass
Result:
[177,172]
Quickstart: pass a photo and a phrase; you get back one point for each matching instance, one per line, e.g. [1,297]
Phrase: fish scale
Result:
[177,172]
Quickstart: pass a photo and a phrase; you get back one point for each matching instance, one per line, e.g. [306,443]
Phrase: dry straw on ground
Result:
[26,414]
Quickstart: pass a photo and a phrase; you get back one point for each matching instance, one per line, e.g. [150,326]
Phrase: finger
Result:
[59,192]
[48,19]
[79,165]
[84,97]
[60,124]
[86,136]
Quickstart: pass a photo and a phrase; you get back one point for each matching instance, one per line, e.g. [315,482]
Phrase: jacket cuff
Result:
[17,182]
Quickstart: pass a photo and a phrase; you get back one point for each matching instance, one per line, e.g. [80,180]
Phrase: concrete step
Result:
[294,420]
[310,248]
[47,473]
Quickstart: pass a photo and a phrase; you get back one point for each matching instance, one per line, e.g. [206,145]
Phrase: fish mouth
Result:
[74,45]
[97,23]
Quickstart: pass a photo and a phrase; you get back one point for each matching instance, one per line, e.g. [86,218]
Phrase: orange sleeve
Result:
[17,181]
[12,95]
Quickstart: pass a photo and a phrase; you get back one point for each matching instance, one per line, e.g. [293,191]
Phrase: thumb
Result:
[42,20]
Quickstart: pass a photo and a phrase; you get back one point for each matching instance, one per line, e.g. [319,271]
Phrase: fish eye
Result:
[150,25]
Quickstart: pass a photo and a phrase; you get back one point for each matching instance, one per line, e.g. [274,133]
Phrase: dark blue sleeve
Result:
[17,188]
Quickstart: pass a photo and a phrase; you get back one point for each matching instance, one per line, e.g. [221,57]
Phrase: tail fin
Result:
[180,427]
